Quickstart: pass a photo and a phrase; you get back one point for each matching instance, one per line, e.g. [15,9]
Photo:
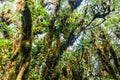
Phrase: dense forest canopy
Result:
[59,40]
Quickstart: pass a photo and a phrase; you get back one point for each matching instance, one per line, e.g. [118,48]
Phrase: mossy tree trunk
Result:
[25,43]
[16,70]
[106,53]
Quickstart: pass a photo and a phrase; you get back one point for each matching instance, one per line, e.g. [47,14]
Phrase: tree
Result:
[41,46]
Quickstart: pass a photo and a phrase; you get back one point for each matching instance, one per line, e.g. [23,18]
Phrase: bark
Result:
[112,52]
[21,73]
[25,44]
[51,60]
[53,55]
[15,69]
[103,53]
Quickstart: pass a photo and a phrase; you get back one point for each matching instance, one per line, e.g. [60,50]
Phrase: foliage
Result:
[66,45]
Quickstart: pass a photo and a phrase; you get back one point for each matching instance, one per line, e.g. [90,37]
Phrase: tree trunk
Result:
[16,70]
